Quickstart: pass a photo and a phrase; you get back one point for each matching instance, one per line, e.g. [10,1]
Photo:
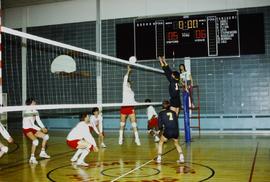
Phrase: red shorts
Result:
[152,123]
[28,130]
[127,110]
[73,143]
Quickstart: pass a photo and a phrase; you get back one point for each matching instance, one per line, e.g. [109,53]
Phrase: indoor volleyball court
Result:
[134,91]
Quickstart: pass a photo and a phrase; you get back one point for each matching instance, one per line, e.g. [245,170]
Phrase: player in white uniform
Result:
[81,139]
[128,110]
[33,132]
[96,122]
[5,134]
[152,121]
[187,82]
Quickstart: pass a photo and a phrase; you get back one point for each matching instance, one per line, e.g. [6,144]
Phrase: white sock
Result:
[84,153]
[77,153]
[136,135]
[121,134]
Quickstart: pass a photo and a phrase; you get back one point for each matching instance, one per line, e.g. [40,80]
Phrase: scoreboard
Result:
[207,35]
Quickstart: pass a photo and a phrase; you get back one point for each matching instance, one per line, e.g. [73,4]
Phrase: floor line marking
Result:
[253,163]
[123,175]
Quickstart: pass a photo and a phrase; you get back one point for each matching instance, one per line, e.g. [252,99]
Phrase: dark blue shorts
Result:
[175,101]
[171,134]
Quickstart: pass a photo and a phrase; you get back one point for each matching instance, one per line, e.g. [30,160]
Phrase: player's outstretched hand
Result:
[128,67]
[10,140]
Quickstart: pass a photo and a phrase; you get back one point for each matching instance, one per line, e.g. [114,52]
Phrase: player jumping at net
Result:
[33,132]
[128,110]
[152,121]
[5,134]
[96,124]
[81,139]
[174,91]
[168,125]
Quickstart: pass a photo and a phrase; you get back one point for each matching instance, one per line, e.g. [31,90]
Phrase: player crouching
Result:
[33,132]
[168,122]
[81,139]
[152,121]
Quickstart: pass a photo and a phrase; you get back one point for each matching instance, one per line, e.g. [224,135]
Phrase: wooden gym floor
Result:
[216,158]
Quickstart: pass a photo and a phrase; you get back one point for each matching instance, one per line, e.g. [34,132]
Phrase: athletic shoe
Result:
[73,159]
[33,160]
[158,160]
[181,159]
[120,141]
[156,139]
[43,154]
[82,164]
[102,145]
[137,141]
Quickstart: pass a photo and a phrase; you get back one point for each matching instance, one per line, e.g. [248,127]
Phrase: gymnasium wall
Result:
[85,10]
[227,86]
[234,92]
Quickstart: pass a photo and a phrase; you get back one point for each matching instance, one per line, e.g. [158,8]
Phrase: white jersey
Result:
[128,94]
[185,76]
[4,132]
[81,131]
[96,121]
[29,118]
[151,112]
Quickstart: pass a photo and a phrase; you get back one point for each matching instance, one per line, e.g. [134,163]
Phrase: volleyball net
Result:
[68,79]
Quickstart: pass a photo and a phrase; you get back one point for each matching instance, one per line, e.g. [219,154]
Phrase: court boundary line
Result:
[253,163]
[125,174]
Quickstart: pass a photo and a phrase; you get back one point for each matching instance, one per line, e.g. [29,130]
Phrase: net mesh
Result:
[35,79]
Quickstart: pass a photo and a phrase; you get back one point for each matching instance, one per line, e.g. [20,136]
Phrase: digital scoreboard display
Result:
[188,36]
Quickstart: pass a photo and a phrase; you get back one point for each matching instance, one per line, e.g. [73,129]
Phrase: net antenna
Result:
[47,57]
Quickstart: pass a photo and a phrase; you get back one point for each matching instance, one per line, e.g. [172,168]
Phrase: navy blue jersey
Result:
[174,90]
[168,121]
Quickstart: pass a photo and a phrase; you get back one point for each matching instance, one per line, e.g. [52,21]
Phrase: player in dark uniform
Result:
[174,91]
[168,123]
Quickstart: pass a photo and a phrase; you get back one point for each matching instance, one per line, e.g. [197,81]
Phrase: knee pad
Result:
[35,142]
[122,124]
[4,149]
[134,124]
[46,137]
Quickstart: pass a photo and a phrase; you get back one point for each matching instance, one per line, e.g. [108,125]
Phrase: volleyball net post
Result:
[186,116]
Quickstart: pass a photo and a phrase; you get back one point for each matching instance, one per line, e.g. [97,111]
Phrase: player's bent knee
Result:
[46,137]
[122,124]
[4,149]
[134,124]
[35,142]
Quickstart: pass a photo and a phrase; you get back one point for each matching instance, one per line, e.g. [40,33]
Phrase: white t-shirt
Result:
[4,132]
[151,112]
[185,76]
[29,118]
[81,131]
[96,121]
[128,94]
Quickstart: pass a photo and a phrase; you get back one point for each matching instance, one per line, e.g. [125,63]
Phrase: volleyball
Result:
[132,59]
